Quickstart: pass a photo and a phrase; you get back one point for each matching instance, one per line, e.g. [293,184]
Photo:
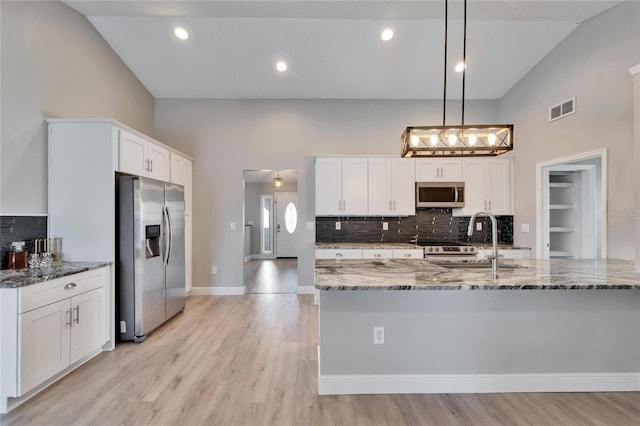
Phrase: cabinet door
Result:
[498,187]
[474,184]
[159,165]
[380,184]
[427,170]
[354,187]
[176,169]
[187,178]
[328,186]
[403,187]
[438,169]
[88,316]
[132,157]
[451,169]
[44,335]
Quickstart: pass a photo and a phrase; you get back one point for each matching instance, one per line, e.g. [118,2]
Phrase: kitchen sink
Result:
[474,264]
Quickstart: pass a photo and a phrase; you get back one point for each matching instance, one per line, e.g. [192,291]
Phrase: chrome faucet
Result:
[494,238]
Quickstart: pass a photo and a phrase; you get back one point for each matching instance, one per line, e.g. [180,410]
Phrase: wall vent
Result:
[562,109]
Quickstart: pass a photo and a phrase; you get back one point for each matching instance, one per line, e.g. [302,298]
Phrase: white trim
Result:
[25,214]
[247,258]
[306,289]
[219,291]
[598,153]
[635,70]
[477,383]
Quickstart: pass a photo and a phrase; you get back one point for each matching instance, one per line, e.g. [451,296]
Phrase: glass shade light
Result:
[483,140]
[277,181]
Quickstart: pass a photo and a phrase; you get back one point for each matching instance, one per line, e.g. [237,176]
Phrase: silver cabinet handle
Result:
[389,205]
[68,314]
[146,165]
[377,255]
[151,165]
[339,254]
[70,286]
[394,206]
[489,204]
[77,320]
[407,255]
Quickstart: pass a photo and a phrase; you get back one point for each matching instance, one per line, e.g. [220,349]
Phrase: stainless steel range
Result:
[447,249]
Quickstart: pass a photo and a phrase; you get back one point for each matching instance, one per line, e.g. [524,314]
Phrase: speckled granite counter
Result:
[13,278]
[373,246]
[529,274]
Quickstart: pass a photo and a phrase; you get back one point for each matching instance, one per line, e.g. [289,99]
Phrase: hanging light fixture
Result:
[277,181]
[463,140]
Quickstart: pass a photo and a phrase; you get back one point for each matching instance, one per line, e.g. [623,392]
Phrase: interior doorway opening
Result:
[571,207]
[271,226]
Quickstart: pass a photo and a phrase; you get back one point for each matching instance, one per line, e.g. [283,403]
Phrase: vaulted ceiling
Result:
[333,49]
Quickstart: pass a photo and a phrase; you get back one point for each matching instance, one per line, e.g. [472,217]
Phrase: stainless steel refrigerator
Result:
[151,268]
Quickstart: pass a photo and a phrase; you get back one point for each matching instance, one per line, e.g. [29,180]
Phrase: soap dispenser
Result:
[17,257]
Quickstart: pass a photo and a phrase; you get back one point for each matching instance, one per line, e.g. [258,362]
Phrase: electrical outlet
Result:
[378,335]
[385,226]
[232,226]
[525,227]
[338,226]
[214,270]
[310,225]
[250,222]
[478,226]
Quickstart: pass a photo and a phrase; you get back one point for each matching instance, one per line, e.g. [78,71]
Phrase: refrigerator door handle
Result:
[169,236]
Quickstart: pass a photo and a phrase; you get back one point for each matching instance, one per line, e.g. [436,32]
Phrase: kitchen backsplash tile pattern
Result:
[429,224]
[20,228]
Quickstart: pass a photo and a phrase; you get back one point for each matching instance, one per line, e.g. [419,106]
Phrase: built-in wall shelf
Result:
[561,206]
[561,229]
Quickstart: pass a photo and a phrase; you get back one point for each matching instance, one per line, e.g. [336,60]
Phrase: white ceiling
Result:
[333,48]
[266,176]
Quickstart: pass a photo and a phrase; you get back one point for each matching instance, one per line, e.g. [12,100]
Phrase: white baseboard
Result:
[478,383]
[306,289]
[218,291]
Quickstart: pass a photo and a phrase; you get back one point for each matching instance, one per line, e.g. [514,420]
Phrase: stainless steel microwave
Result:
[440,194]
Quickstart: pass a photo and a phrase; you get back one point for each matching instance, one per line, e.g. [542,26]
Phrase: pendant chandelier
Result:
[277,181]
[478,140]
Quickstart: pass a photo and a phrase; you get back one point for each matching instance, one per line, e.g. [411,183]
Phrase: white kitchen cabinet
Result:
[339,254]
[188,253]
[488,185]
[391,184]
[408,253]
[341,186]
[377,253]
[139,156]
[438,169]
[58,322]
[181,173]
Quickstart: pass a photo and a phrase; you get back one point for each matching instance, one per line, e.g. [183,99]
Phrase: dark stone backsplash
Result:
[428,224]
[20,228]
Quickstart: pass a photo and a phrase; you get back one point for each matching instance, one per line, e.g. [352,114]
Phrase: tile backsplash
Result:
[20,228]
[428,224]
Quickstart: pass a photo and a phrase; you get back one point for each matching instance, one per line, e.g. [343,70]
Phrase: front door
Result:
[286,224]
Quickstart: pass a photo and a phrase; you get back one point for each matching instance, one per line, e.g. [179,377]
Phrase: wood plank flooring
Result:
[252,360]
[271,276]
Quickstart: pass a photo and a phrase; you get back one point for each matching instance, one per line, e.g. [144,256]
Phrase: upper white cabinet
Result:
[181,173]
[391,187]
[141,157]
[438,169]
[341,186]
[487,186]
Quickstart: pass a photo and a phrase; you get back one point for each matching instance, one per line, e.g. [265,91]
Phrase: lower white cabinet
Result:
[383,253]
[408,253]
[58,323]
[377,253]
[338,253]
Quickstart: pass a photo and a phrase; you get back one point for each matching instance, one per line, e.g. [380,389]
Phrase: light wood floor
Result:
[252,360]
[271,276]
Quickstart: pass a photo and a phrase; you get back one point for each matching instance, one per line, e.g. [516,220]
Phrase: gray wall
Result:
[592,63]
[252,193]
[55,64]
[227,137]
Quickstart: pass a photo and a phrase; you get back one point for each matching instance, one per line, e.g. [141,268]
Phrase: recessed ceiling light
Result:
[181,33]
[460,66]
[281,66]
[387,34]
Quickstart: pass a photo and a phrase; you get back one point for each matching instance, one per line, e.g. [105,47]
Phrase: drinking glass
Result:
[34,260]
[46,259]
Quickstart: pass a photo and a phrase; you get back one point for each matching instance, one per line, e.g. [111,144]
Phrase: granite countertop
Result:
[531,274]
[13,278]
[374,246]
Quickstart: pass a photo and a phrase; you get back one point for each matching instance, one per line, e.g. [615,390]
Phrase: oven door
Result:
[440,194]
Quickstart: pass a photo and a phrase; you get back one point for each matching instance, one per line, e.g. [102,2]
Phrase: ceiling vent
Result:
[562,109]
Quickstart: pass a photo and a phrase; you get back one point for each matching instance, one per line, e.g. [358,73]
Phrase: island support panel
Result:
[460,341]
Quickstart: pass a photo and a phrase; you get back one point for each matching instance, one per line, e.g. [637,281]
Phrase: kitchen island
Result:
[559,325]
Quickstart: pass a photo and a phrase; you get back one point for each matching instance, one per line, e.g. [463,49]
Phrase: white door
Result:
[86,323]
[380,196]
[403,187]
[354,186]
[286,224]
[328,186]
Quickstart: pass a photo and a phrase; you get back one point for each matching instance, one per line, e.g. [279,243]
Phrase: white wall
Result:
[592,64]
[227,137]
[55,64]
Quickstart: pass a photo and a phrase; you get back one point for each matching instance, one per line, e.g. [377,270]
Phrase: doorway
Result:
[571,205]
[271,228]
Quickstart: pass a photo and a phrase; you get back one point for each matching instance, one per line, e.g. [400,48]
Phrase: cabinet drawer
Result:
[377,254]
[338,254]
[408,254]
[37,295]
